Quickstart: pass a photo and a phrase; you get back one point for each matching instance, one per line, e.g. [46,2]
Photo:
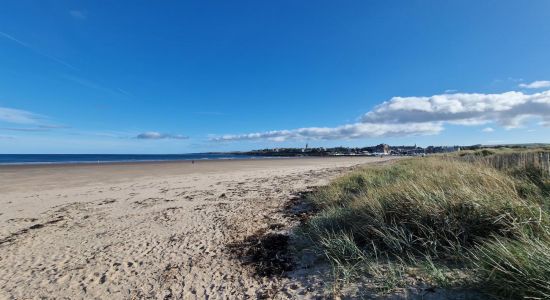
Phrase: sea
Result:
[21,159]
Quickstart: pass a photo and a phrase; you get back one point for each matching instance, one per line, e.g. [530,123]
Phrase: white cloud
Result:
[18,116]
[153,135]
[405,116]
[535,84]
[350,131]
[509,109]
[488,129]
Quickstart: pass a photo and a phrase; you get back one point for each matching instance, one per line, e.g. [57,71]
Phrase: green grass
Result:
[439,216]
[514,268]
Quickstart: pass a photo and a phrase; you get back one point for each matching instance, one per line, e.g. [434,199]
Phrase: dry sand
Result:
[149,230]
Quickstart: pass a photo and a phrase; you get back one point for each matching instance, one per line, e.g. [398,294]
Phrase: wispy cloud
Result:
[209,113]
[11,38]
[405,116]
[28,46]
[26,121]
[124,92]
[38,128]
[24,129]
[488,129]
[78,14]
[349,131]
[86,82]
[53,126]
[82,81]
[536,84]
[507,80]
[18,116]
[153,135]
[93,85]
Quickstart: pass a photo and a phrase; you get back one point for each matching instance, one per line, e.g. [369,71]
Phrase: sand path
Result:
[155,230]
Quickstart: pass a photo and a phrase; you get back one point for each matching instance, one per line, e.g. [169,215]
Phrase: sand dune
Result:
[149,230]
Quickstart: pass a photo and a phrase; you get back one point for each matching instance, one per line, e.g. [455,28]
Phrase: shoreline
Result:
[39,176]
[141,159]
[123,162]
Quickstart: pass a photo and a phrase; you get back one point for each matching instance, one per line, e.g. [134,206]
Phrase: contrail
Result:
[26,45]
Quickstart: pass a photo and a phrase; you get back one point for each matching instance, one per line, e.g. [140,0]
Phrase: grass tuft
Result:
[514,269]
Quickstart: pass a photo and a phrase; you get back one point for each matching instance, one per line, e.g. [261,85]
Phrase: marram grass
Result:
[514,268]
[418,210]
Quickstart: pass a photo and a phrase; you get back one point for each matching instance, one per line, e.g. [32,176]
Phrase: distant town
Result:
[378,150]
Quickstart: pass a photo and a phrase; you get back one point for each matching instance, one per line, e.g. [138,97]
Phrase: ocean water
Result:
[14,159]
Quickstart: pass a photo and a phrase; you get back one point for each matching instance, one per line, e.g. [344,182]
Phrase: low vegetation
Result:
[508,159]
[438,222]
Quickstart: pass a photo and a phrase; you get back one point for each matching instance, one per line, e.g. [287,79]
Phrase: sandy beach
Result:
[148,230]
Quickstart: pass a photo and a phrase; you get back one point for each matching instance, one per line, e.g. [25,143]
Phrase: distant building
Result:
[382,148]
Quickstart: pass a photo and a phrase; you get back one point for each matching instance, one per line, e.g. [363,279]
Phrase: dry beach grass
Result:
[437,223]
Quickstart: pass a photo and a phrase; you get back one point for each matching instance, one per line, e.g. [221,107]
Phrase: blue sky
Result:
[194,76]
